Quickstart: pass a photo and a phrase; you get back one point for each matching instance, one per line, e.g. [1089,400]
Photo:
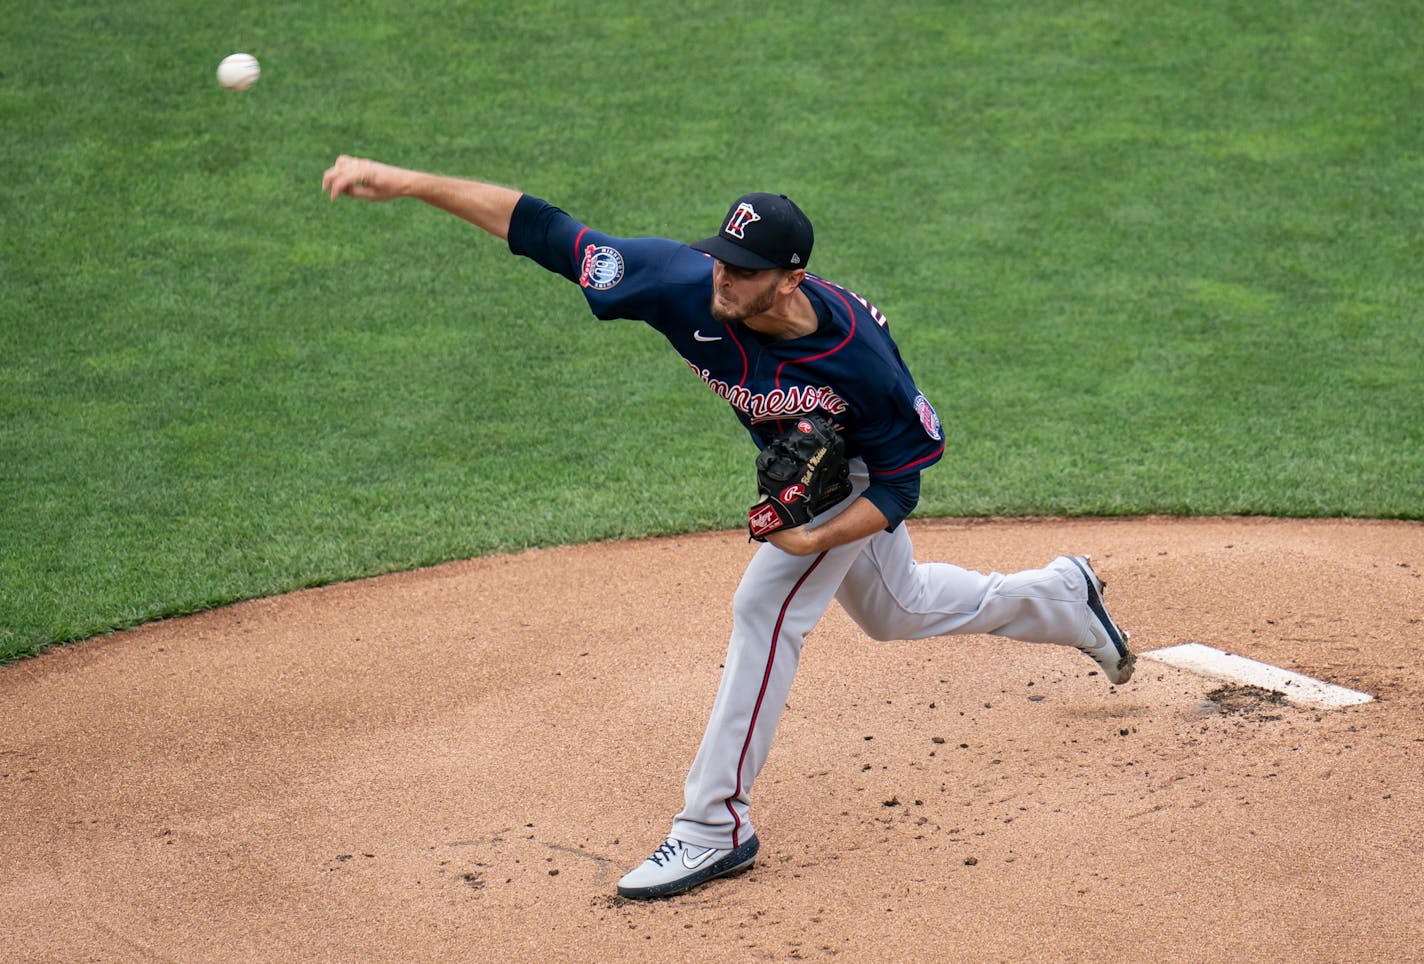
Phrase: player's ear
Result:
[792,280]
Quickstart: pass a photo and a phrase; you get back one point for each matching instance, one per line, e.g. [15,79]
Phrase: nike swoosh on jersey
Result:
[698,336]
[697,861]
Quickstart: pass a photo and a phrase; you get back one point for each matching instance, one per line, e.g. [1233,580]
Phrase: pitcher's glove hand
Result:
[799,474]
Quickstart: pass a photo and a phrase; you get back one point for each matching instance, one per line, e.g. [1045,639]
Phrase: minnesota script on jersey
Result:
[849,368]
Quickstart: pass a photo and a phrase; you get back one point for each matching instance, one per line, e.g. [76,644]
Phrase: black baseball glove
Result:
[799,474]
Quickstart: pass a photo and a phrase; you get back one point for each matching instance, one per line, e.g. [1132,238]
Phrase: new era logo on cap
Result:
[762,231]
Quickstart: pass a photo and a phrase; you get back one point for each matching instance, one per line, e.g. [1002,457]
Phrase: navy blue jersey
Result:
[849,368]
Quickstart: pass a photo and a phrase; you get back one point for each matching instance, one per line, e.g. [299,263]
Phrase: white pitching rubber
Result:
[1301,690]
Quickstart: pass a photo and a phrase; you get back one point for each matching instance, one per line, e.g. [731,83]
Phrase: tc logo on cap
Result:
[743,215]
[783,240]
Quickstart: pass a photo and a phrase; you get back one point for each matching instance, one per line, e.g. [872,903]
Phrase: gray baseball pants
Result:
[877,581]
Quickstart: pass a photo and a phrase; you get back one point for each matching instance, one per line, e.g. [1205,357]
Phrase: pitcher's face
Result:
[742,293]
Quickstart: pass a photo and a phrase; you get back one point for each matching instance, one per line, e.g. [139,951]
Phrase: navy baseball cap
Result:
[762,231]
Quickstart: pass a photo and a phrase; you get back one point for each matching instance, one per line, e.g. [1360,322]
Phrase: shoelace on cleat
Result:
[666,851]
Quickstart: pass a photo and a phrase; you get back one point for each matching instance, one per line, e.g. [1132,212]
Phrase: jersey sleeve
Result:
[895,498]
[905,436]
[903,440]
[619,277]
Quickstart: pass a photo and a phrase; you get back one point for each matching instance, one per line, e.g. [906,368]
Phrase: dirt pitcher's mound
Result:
[458,764]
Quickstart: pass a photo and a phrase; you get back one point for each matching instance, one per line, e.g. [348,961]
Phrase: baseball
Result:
[238,71]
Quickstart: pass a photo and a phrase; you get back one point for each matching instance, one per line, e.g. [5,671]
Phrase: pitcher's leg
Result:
[779,600]
[893,597]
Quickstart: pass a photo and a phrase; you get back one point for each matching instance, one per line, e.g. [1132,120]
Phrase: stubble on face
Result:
[729,312]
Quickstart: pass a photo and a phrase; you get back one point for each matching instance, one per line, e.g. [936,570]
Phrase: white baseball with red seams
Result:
[239,71]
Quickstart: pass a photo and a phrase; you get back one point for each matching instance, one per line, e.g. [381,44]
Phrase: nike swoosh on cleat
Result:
[697,861]
[698,336]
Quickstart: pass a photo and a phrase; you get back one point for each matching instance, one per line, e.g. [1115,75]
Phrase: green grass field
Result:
[1144,259]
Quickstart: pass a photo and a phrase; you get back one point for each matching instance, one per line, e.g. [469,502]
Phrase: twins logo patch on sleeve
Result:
[929,418]
[602,267]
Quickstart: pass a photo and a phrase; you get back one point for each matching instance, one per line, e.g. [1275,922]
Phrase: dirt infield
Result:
[457,764]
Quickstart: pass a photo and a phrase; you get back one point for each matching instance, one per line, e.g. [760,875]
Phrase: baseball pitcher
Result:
[843,433]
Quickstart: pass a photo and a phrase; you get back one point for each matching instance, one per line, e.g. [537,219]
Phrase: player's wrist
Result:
[799,541]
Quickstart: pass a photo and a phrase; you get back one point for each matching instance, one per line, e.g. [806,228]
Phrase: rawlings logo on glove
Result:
[799,474]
